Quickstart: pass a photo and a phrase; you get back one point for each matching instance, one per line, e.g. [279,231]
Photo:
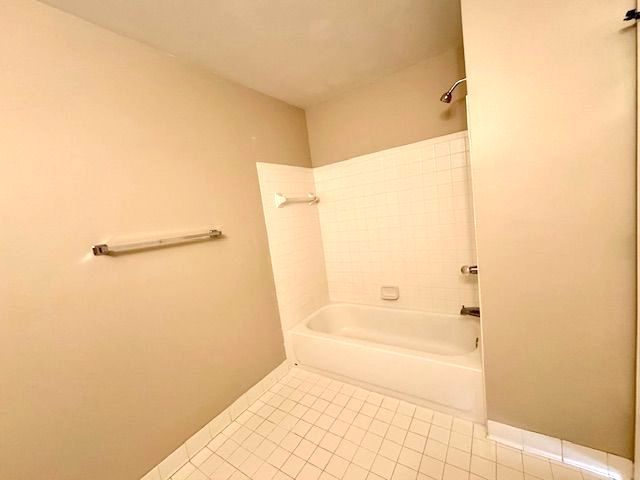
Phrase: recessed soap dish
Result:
[389,293]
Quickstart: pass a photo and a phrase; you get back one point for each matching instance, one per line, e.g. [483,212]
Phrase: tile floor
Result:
[310,427]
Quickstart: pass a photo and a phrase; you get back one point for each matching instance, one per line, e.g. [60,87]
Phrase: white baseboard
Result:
[198,440]
[596,461]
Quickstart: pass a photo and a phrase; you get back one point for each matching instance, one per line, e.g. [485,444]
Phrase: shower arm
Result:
[455,85]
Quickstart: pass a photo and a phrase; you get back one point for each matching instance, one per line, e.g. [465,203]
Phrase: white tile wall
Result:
[401,217]
[294,242]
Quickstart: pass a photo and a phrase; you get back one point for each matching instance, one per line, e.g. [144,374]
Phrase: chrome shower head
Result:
[447,96]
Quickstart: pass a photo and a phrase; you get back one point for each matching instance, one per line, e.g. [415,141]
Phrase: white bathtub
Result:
[429,358]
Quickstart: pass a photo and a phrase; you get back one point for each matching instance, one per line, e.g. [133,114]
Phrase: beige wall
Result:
[552,127]
[108,364]
[395,110]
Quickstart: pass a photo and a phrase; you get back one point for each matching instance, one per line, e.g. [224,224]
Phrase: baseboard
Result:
[198,440]
[596,461]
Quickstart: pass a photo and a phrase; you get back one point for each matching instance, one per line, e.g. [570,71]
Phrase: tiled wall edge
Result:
[181,455]
[596,461]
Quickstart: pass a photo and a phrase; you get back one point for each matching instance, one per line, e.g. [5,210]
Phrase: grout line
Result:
[305,379]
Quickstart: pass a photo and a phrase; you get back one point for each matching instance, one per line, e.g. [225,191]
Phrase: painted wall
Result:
[108,363]
[553,171]
[400,217]
[397,109]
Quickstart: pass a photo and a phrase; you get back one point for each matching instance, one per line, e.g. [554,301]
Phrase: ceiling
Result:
[300,51]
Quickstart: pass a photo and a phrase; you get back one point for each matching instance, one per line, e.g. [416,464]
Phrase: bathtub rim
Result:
[471,361]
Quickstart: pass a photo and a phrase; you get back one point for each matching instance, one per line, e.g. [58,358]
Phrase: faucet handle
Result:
[469,269]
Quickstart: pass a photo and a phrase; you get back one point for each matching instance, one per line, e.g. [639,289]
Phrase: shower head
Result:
[447,96]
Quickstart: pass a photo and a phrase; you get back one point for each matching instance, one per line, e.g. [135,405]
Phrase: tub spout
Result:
[473,311]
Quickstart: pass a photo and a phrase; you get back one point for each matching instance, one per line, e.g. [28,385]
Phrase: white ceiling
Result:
[300,51]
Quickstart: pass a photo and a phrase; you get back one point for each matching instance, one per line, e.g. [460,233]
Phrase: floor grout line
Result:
[296,387]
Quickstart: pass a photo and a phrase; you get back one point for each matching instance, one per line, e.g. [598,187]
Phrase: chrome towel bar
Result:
[105,249]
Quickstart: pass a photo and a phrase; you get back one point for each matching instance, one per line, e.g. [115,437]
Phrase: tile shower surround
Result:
[404,217]
[295,243]
[401,216]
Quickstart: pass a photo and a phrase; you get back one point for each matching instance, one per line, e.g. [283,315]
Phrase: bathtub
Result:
[429,358]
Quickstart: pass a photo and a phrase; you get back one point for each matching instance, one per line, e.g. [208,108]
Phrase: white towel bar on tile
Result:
[282,199]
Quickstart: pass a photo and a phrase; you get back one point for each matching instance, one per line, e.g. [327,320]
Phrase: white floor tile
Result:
[390,450]
[396,434]
[238,475]
[304,449]
[436,450]
[364,458]
[309,472]
[330,442]
[197,475]
[484,448]
[372,442]
[354,472]
[431,467]
[383,466]
[355,434]
[200,457]
[265,449]
[460,441]
[290,441]
[301,428]
[506,473]
[410,458]
[379,427]
[536,466]
[415,441]
[315,434]
[454,473]
[509,457]
[464,427]
[327,476]
[337,466]
[401,472]
[309,427]
[439,434]
[346,449]
[442,420]
[211,464]
[320,457]
[424,414]
[265,472]
[458,458]
[483,467]
[384,415]
[292,466]
[339,428]
[223,472]
[421,427]
[239,456]
[251,465]
[278,457]
[184,471]
[561,472]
